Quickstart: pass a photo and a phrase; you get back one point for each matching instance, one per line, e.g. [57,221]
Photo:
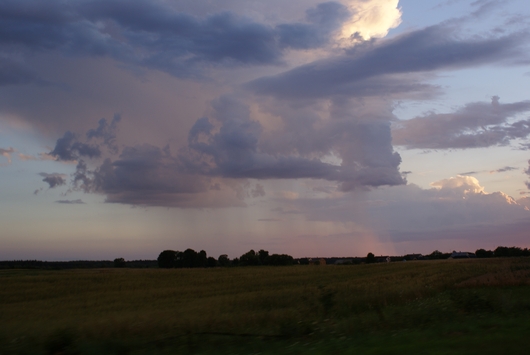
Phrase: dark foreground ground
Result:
[479,306]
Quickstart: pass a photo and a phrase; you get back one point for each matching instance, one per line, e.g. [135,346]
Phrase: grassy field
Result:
[479,306]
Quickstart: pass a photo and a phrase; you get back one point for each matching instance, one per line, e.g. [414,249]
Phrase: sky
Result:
[306,127]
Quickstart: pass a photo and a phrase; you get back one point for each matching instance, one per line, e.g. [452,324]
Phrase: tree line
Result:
[189,258]
[499,252]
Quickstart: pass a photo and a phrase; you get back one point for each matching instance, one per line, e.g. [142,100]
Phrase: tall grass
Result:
[161,307]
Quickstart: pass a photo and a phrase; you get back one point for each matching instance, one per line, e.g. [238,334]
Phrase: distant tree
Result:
[481,253]
[211,262]
[189,258]
[223,260]
[370,258]
[280,259]
[303,261]
[436,255]
[119,262]
[201,259]
[250,258]
[263,257]
[235,262]
[179,260]
[510,252]
[167,259]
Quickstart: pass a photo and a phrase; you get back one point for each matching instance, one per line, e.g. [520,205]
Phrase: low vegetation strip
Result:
[292,309]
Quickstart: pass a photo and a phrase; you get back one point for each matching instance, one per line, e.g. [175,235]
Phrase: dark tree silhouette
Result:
[211,262]
[481,253]
[167,259]
[280,259]
[223,260]
[435,255]
[263,257]
[510,252]
[189,258]
[119,262]
[201,259]
[370,258]
[250,258]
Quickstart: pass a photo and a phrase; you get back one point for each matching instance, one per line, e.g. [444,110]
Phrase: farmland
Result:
[477,306]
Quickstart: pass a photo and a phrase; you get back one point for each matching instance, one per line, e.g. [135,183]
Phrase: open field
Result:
[477,306]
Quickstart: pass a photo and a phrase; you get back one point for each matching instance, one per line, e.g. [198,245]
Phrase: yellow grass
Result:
[156,304]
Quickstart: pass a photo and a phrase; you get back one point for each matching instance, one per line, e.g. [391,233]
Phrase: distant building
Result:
[462,255]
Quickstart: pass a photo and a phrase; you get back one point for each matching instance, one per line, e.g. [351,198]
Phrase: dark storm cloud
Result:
[53,180]
[13,72]
[142,175]
[475,125]
[154,34]
[234,151]
[425,50]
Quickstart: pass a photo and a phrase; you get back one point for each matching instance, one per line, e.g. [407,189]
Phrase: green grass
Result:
[431,307]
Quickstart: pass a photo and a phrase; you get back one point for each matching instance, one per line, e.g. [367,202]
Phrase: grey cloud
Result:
[234,151]
[409,212]
[71,202]
[425,50]
[322,21]
[469,173]
[155,35]
[69,148]
[475,125]
[527,172]
[107,132]
[7,153]
[506,168]
[258,191]
[53,180]
[34,25]
[13,73]
[143,175]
